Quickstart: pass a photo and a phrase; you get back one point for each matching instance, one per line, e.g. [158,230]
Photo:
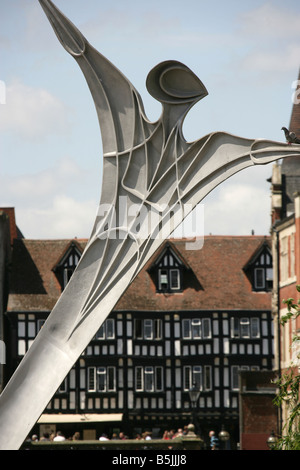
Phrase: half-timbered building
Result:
[191,318]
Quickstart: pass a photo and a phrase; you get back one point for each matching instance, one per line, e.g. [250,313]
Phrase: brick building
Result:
[257,413]
[286,252]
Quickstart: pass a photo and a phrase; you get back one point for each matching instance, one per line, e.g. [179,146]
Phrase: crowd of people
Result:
[55,437]
[147,435]
[58,436]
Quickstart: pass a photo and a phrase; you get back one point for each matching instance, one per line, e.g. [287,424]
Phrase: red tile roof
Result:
[217,279]
[34,286]
[218,267]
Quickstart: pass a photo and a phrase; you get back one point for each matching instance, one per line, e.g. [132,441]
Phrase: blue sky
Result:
[247,53]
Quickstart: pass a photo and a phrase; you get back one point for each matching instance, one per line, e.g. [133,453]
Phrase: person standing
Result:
[214,441]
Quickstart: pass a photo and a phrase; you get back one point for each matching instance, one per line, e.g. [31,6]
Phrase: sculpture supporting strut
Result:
[160,177]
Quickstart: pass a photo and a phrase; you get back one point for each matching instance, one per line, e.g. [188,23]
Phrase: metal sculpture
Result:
[152,179]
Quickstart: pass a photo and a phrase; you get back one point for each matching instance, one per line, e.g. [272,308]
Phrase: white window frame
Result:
[101,373]
[252,327]
[166,279]
[171,272]
[91,380]
[147,379]
[139,379]
[192,374]
[105,328]
[148,329]
[110,327]
[259,284]
[196,330]
[105,373]
[163,278]
[190,325]
[245,323]
[244,327]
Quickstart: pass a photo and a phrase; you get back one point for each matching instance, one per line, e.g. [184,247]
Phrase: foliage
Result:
[288,385]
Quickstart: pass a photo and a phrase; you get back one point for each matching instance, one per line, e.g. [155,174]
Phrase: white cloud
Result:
[273,37]
[63,218]
[32,113]
[41,185]
[52,203]
[271,21]
[239,209]
[281,60]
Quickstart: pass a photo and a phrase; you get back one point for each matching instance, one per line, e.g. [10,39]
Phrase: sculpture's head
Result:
[174,83]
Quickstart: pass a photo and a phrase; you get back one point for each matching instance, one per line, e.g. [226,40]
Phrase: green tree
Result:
[288,387]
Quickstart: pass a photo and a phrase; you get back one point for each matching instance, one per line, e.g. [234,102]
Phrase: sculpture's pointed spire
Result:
[112,92]
[69,36]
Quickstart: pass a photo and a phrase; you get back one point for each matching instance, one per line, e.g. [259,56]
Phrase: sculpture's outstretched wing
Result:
[115,98]
[154,169]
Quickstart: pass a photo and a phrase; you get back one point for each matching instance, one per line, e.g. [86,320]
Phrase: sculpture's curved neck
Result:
[173,116]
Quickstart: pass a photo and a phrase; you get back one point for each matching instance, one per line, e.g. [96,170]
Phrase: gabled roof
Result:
[218,268]
[33,284]
[161,252]
[263,246]
[73,244]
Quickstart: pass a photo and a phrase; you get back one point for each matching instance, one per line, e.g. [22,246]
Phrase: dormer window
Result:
[169,272]
[67,264]
[260,270]
[169,279]
[67,275]
[263,272]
